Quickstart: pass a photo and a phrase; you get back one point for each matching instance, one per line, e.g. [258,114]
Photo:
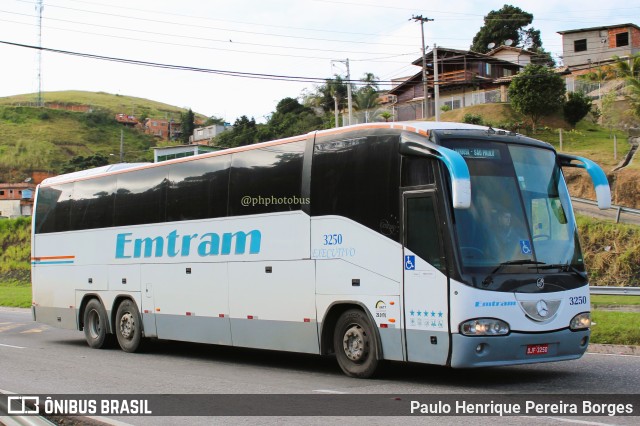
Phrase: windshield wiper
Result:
[564,267]
[489,279]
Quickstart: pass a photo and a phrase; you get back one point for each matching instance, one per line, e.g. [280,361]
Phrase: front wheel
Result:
[354,341]
[128,326]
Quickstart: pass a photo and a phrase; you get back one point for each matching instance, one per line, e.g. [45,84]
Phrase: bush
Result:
[473,119]
[445,108]
[576,108]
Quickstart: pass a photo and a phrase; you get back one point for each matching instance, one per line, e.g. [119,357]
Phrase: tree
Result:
[576,108]
[630,70]
[507,23]
[187,121]
[536,91]
[82,163]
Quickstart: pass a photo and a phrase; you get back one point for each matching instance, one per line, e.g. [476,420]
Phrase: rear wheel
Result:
[354,342]
[95,325]
[128,326]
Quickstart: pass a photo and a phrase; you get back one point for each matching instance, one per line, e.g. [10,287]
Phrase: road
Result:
[37,359]
[610,214]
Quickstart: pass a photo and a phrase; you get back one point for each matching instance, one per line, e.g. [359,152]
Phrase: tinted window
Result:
[358,178]
[53,208]
[267,180]
[198,189]
[417,171]
[140,197]
[422,230]
[92,205]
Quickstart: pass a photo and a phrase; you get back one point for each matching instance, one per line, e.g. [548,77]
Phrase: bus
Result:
[440,243]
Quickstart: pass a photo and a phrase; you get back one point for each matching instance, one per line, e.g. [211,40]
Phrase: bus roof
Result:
[420,127]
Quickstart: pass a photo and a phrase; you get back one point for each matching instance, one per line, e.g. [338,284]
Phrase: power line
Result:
[229,73]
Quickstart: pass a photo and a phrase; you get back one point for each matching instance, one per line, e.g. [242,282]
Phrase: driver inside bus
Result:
[505,238]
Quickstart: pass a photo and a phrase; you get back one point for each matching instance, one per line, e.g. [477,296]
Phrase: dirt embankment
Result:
[625,186]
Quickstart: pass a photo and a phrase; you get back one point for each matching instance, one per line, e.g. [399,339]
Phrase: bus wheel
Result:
[128,326]
[354,342]
[95,325]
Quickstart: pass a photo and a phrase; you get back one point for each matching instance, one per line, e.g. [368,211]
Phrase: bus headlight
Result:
[581,321]
[484,327]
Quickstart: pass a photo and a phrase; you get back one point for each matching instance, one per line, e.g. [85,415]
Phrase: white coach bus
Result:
[439,243]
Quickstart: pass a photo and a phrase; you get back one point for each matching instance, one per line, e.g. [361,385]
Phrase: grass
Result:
[605,300]
[615,328]
[15,294]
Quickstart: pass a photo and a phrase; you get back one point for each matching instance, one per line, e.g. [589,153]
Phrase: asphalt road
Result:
[37,359]
[610,214]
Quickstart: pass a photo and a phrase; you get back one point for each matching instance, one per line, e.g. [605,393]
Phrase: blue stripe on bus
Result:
[58,262]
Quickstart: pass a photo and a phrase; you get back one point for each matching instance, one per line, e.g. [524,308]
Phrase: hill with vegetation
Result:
[47,139]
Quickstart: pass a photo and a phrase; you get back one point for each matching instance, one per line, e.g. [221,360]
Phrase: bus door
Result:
[425,292]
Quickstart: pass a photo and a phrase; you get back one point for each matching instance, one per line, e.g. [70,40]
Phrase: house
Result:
[16,199]
[127,120]
[202,135]
[517,55]
[465,78]
[180,151]
[585,48]
[163,128]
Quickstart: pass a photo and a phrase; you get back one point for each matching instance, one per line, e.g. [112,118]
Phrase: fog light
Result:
[581,321]
[584,341]
[480,347]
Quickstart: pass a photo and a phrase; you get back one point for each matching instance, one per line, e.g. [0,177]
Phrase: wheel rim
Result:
[93,325]
[355,343]
[127,326]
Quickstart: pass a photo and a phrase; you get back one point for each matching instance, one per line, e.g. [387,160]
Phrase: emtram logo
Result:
[174,244]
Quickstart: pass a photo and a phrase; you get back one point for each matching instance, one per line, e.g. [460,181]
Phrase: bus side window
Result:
[267,180]
[140,197]
[417,171]
[53,209]
[198,189]
[92,205]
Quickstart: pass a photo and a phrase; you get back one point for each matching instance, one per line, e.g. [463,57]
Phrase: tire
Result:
[128,326]
[96,325]
[355,344]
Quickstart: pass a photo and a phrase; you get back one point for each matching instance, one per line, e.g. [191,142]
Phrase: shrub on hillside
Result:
[472,119]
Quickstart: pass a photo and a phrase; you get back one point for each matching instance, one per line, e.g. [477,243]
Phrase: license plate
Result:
[538,349]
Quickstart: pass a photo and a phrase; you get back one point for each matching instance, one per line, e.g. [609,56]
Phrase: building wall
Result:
[601,46]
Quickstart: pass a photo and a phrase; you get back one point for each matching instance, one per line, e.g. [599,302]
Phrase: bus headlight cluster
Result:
[484,327]
[581,321]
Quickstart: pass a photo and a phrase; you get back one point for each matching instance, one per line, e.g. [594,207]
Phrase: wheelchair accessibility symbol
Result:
[525,247]
[409,263]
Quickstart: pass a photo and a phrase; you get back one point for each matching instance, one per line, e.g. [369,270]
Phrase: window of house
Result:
[487,70]
[622,39]
[507,72]
[580,45]
[1,192]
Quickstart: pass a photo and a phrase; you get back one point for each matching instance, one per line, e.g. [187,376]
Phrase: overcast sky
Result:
[297,38]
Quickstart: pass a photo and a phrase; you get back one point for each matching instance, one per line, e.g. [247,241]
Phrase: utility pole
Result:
[39,8]
[122,145]
[349,100]
[436,82]
[424,62]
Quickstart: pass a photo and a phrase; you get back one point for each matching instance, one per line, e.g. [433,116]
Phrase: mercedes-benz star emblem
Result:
[540,282]
[542,308]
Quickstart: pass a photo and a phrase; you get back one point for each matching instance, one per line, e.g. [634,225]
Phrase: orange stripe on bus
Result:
[52,257]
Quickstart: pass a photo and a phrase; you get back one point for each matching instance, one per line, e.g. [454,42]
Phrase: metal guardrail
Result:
[619,209]
[617,291]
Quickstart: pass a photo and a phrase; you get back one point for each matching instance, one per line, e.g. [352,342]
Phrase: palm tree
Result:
[386,115]
[630,70]
[366,98]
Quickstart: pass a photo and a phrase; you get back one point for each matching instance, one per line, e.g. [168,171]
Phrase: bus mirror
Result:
[598,177]
[457,167]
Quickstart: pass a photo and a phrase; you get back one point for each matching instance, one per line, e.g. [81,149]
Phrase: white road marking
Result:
[330,391]
[595,353]
[576,421]
[11,346]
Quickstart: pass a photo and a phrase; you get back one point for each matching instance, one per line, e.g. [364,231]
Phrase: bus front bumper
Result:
[518,348]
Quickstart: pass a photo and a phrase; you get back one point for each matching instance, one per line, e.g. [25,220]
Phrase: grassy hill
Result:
[45,139]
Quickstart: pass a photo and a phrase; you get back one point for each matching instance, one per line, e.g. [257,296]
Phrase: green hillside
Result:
[44,139]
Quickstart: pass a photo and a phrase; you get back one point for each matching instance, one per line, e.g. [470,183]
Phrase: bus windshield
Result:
[520,210]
